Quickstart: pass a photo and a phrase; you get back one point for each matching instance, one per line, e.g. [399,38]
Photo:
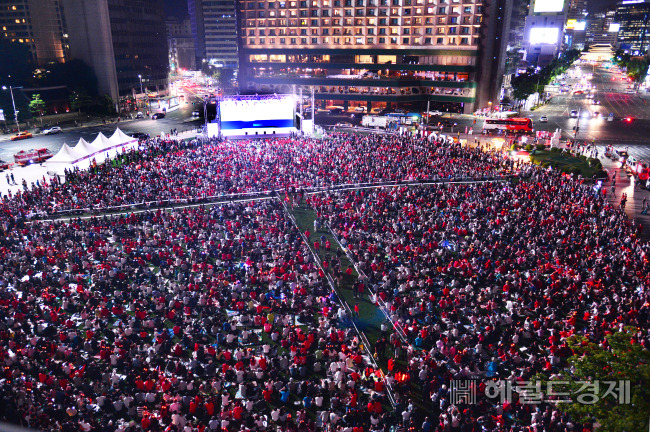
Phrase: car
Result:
[344,125]
[360,109]
[139,115]
[21,136]
[4,165]
[433,113]
[52,130]
[141,136]
[628,120]
[334,111]
[621,154]
[573,114]
[195,114]
[543,119]
[357,115]
[595,102]
[386,111]
[158,116]
[596,114]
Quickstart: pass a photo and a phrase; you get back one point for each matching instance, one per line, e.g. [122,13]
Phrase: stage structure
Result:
[257,116]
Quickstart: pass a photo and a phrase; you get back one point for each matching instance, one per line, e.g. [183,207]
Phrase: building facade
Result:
[181,43]
[633,16]
[40,24]
[124,41]
[544,31]
[214,28]
[375,53]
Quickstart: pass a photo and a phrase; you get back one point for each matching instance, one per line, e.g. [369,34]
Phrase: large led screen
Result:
[544,6]
[263,115]
[543,35]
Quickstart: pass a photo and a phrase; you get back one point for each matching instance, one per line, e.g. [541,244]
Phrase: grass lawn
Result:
[370,317]
[564,162]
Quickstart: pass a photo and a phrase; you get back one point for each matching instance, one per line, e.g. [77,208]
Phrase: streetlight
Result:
[140,76]
[11,90]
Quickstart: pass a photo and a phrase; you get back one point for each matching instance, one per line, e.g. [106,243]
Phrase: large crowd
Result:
[171,171]
[217,317]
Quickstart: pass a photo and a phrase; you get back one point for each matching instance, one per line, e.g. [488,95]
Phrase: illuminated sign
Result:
[632,1]
[542,6]
[571,24]
[544,35]
[613,28]
[580,26]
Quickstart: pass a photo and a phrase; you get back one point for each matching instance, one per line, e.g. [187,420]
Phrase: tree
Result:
[36,105]
[620,358]
[524,85]
[79,99]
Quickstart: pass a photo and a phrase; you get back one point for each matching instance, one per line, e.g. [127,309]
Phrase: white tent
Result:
[88,153]
[122,142]
[65,158]
[120,137]
[102,146]
[67,155]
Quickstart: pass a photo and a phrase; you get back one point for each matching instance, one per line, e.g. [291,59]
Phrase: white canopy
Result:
[67,155]
[102,143]
[120,137]
[88,152]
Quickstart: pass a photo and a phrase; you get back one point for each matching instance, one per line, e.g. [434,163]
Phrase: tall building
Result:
[576,25]
[375,53]
[634,19]
[601,29]
[37,23]
[181,43]
[515,40]
[214,28]
[124,41]
[544,31]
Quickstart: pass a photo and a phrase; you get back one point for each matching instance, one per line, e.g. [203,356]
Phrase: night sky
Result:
[599,5]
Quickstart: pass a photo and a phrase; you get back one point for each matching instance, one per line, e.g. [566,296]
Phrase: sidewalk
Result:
[624,185]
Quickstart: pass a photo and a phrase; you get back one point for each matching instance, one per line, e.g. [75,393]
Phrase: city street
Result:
[180,119]
[611,92]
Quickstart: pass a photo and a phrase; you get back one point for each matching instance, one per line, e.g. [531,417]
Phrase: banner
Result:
[2,115]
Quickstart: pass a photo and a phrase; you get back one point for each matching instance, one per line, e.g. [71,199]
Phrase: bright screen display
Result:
[613,28]
[254,114]
[542,6]
[544,35]
[580,26]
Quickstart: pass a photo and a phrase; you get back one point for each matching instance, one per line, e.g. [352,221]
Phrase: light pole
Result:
[13,103]
[140,76]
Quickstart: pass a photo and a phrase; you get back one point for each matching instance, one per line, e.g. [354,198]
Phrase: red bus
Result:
[516,125]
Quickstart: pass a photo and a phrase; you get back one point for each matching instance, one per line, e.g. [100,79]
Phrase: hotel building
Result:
[375,53]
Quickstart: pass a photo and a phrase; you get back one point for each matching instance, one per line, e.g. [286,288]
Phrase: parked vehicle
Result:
[52,130]
[26,157]
[5,165]
[141,136]
[158,116]
[21,136]
[374,121]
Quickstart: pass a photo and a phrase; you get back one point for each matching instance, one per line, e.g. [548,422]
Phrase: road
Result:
[180,119]
[611,91]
